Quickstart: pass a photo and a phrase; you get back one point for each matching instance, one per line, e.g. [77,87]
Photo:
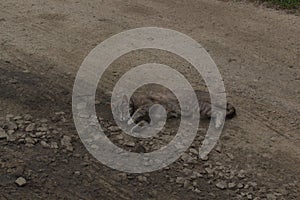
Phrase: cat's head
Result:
[120,107]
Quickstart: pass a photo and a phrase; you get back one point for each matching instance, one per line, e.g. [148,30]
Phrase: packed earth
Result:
[43,44]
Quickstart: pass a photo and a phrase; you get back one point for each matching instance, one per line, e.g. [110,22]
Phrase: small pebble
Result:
[142,178]
[130,144]
[45,144]
[77,173]
[231,185]
[30,127]
[221,185]
[21,181]
[3,135]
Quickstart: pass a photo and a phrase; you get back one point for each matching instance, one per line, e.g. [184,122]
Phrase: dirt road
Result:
[43,43]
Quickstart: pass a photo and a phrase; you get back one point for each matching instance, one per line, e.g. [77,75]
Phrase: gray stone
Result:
[205,158]
[130,144]
[153,193]
[60,113]
[241,174]
[27,117]
[221,185]
[77,173]
[253,184]
[45,144]
[29,140]
[113,128]
[194,151]
[196,190]
[44,120]
[187,171]
[186,183]
[219,149]
[53,145]
[11,138]
[40,134]
[3,134]
[180,180]
[20,123]
[142,178]
[209,170]
[230,156]
[240,185]
[17,118]
[271,197]
[42,129]
[231,185]
[21,181]
[187,158]
[12,126]
[66,142]
[249,196]
[120,137]
[196,175]
[30,127]
[122,176]
[9,117]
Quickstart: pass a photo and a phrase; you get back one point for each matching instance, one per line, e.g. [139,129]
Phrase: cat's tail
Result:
[230,111]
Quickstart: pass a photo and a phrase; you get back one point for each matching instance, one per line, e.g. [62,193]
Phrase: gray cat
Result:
[141,106]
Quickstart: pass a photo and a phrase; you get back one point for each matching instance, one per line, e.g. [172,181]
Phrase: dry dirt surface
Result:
[43,44]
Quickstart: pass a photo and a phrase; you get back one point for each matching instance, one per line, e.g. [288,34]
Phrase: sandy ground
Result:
[257,50]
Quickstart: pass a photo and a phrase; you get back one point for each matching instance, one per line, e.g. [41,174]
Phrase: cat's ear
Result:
[125,99]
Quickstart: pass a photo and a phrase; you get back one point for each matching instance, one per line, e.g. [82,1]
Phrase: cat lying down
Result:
[141,105]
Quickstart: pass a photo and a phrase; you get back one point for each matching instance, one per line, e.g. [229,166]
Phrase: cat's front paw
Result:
[219,120]
[139,127]
[130,121]
[218,123]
